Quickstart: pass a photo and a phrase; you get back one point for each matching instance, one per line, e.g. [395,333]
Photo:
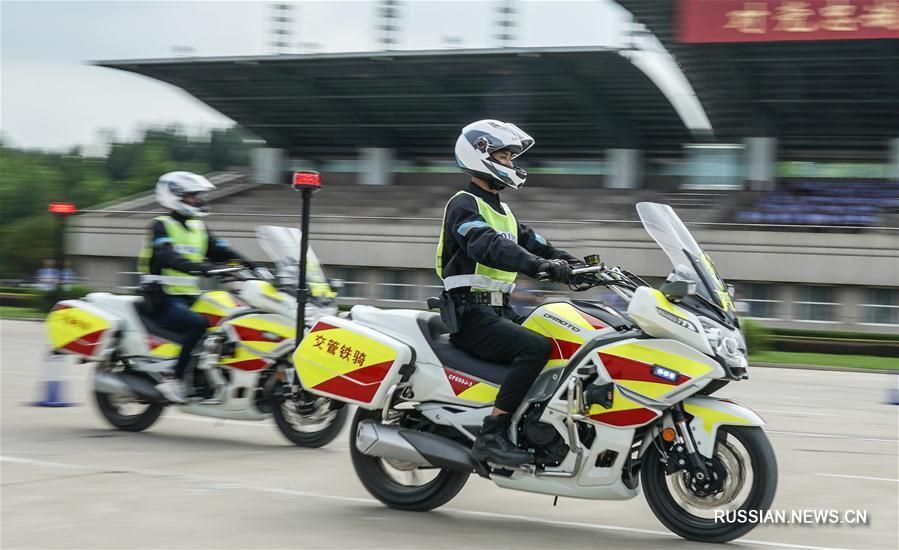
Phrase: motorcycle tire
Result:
[131,422]
[437,492]
[310,439]
[692,527]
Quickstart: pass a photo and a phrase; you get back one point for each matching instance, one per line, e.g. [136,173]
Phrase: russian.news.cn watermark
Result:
[794,517]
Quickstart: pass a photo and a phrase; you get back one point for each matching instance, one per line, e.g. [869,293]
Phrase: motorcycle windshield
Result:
[282,244]
[688,260]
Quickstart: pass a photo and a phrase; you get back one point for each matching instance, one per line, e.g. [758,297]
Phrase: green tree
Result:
[30,180]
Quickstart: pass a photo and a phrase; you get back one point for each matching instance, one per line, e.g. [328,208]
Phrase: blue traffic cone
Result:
[52,383]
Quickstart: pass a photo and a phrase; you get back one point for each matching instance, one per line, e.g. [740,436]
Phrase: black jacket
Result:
[479,243]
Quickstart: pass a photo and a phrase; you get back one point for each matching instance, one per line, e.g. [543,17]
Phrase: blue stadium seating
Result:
[830,203]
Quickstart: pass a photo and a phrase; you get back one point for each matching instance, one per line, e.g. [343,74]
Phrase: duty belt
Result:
[479,282]
[496,299]
[168,279]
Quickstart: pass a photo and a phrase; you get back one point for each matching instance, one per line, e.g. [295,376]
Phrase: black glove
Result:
[568,258]
[558,270]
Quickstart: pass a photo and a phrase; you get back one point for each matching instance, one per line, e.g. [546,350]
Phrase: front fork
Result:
[703,478]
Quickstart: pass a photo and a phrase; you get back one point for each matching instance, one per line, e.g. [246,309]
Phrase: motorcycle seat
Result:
[151,325]
[437,336]
[118,303]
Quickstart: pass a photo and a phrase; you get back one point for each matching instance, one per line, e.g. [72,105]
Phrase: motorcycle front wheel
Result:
[747,458]
[306,420]
[399,484]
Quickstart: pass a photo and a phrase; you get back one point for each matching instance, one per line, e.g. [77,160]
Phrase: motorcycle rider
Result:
[172,259]
[482,249]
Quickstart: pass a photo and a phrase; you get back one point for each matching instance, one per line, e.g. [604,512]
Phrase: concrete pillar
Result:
[761,163]
[267,165]
[894,160]
[624,168]
[713,166]
[376,166]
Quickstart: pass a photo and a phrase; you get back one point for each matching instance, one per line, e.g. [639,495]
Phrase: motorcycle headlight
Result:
[731,354]
[712,332]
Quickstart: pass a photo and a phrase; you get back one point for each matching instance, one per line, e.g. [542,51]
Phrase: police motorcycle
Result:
[626,398]
[244,370]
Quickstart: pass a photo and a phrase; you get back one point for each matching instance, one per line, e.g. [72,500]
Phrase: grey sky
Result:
[49,97]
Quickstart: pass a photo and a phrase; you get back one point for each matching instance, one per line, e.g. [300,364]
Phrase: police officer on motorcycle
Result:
[171,261]
[482,249]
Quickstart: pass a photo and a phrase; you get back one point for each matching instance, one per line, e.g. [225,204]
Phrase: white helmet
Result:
[482,138]
[171,188]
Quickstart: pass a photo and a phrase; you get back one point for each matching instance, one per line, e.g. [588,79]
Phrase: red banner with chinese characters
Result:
[777,20]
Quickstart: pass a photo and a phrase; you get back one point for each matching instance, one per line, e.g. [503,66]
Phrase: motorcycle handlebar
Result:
[225,270]
[544,276]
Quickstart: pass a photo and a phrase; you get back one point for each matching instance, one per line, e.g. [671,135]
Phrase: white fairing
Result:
[430,378]
[132,339]
[644,308]
[710,413]
[262,295]
[401,324]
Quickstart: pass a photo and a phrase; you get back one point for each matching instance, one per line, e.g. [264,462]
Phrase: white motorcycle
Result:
[244,371]
[624,400]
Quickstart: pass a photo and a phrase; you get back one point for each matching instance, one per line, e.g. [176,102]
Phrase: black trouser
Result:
[175,314]
[490,333]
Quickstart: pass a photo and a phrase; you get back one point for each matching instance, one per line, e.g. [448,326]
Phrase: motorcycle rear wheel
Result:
[112,407]
[664,494]
[379,477]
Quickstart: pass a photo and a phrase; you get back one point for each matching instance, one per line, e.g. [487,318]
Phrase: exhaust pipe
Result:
[127,384]
[419,448]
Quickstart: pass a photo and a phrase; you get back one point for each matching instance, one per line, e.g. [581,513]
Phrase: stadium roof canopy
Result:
[833,98]
[574,101]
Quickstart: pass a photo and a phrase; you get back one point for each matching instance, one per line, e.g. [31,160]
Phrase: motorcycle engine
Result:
[550,449]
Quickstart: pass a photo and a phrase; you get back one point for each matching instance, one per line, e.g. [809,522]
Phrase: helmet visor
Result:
[526,141]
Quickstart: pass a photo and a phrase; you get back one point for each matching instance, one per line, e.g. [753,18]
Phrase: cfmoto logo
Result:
[563,322]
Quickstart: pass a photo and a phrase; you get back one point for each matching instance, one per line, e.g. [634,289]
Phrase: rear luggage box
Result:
[80,328]
[350,362]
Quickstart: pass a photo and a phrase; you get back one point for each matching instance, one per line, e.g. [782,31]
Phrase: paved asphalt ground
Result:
[71,481]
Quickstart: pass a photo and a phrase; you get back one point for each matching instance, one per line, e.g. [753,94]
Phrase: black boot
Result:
[493,444]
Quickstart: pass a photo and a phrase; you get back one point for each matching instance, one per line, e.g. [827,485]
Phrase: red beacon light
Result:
[307,179]
[62,208]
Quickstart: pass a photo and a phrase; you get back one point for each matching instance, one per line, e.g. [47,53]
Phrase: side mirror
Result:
[337,284]
[677,290]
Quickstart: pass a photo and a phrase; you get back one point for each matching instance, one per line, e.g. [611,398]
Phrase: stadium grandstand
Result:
[792,190]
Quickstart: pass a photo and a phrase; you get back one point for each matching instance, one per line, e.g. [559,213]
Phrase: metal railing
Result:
[710,225]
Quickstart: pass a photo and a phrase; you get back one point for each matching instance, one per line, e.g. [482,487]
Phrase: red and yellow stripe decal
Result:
[565,341]
[623,413]
[216,305]
[243,359]
[75,330]
[631,364]
[343,363]
[160,347]
[259,337]
[469,388]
